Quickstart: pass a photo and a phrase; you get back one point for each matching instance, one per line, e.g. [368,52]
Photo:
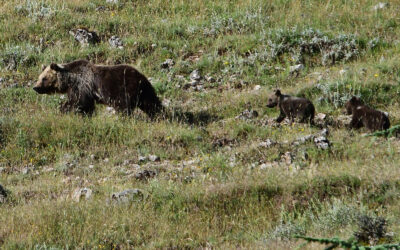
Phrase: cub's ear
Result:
[43,67]
[278,92]
[57,67]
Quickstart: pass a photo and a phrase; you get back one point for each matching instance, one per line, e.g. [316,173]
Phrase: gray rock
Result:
[82,193]
[84,36]
[322,143]
[247,115]
[257,88]
[167,64]
[295,69]
[128,195]
[116,42]
[195,76]
[154,158]
[142,159]
[3,194]
[112,1]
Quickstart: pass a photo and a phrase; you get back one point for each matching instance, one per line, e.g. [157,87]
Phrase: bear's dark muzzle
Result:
[42,90]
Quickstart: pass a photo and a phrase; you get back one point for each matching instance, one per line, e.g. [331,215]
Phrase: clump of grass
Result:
[14,56]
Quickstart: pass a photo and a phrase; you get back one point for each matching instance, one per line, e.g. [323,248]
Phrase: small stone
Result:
[166,102]
[128,195]
[112,1]
[195,76]
[80,193]
[295,69]
[321,116]
[142,159]
[257,87]
[380,6]
[167,64]
[321,142]
[91,166]
[84,36]
[110,111]
[154,158]
[116,42]
[106,160]
[154,45]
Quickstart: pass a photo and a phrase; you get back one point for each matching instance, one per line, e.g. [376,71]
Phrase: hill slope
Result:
[230,179]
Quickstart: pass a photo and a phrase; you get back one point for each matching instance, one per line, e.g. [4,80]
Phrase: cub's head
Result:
[49,82]
[274,99]
[354,102]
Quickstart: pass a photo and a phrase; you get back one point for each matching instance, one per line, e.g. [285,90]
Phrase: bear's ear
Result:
[278,92]
[43,67]
[57,67]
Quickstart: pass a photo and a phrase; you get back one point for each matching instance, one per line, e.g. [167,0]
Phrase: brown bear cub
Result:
[364,116]
[121,86]
[292,107]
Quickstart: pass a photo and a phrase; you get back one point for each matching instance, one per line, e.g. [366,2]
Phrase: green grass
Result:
[204,194]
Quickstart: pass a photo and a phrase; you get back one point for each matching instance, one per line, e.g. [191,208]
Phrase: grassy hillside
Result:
[218,182]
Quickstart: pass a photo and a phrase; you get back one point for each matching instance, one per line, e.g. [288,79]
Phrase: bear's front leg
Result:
[66,107]
[85,104]
[280,117]
[355,123]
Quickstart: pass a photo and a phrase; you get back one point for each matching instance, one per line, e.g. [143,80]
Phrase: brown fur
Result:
[364,116]
[292,107]
[120,86]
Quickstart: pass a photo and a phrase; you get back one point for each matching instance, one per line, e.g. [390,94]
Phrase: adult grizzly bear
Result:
[120,86]
[292,107]
[364,116]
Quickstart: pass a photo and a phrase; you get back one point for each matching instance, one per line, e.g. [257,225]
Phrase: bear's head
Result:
[274,99]
[354,102]
[49,82]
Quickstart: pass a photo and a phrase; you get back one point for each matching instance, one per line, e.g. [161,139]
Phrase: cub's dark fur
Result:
[364,116]
[292,107]
[120,86]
